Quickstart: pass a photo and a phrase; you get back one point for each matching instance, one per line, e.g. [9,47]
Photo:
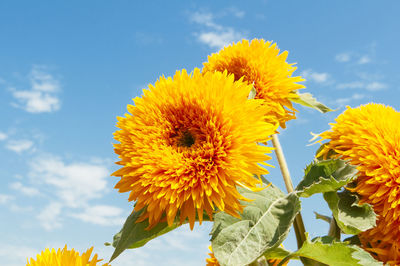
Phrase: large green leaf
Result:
[326,250]
[134,235]
[264,224]
[325,176]
[351,217]
[308,100]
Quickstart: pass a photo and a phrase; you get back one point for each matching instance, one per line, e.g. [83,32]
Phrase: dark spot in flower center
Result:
[186,139]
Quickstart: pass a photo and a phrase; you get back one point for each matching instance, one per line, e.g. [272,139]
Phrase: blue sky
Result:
[67,69]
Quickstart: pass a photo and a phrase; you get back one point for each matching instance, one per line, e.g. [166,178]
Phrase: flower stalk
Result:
[298,222]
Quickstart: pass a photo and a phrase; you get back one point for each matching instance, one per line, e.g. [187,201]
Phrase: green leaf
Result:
[308,100]
[354,240]
[351,217]
[264,224]
[325,176]
[134,235]
[328,251]
[276,253]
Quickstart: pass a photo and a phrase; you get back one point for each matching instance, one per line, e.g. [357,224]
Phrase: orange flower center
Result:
[185,139]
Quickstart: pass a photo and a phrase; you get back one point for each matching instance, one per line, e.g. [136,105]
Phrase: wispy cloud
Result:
[50,217]
[4,198]
[20,146]
[105,215]
[348,100]
[73,183]
[357,57]
[43,93]
[370,86]
[317,77]
[71,186]
[343,57]
[16,255]
[220,39]
[364,60]
[3,136]
[28,191]
[213,34]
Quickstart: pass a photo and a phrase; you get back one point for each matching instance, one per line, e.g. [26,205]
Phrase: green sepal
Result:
[325,176]
[327,251]
[307,99]
[351,217]
[263,225]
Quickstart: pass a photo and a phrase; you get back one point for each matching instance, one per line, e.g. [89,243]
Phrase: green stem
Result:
[298,221]
[334,230]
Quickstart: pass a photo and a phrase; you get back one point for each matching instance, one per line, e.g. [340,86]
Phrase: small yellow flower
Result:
[259,64]
[369,138]
[64,257]
[186,145]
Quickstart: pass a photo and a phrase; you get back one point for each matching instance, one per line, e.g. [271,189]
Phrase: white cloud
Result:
[205,19]
[351,85]
[3,136]
[42,81]
[20,146]
[16,255]
[364,60]
[235,12]
[343,57]
[220,39]
[215,35]
[343,101]
[43,94]
[5,198]
[73,183]
[355,57]
[370,86]
[49,217]
[101,214]
[317,77]
[376,86]
[28,191]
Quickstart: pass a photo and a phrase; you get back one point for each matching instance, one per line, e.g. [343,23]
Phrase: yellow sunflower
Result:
[64,257]
[211,261]
[259,63]
[383,246]
[186,145]
[369,137]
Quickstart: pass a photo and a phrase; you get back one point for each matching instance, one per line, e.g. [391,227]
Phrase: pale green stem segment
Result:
[298,221]
[334,230]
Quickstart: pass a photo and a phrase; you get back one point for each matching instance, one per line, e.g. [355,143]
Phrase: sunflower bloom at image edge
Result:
[259,64]
[369,138]
[64,257]
[186,145]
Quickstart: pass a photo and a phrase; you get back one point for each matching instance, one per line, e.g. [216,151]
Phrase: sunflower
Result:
[259,63]
[186,145]
[64,257]
[211,261]
[383,246]
[369,138]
